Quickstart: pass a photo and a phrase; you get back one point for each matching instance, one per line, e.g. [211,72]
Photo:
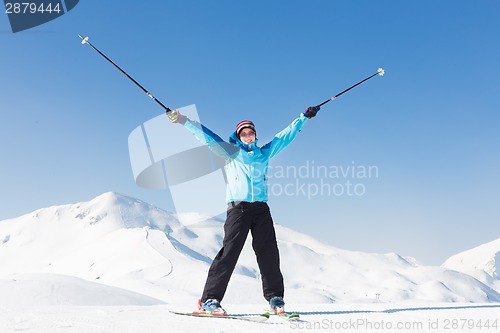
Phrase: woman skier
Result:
[246,194]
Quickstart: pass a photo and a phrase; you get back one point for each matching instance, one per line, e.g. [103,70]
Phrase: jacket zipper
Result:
[252,169]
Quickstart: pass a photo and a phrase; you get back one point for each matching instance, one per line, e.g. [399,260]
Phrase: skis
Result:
[255,318]
[290,316]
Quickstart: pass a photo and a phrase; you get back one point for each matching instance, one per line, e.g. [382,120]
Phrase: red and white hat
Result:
[244,124]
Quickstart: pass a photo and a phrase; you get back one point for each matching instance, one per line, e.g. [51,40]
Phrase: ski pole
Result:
[380,72]
[86,41]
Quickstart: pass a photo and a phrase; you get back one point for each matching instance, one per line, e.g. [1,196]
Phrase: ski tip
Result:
[380,72]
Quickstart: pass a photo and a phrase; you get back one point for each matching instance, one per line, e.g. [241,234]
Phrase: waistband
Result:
[232,204]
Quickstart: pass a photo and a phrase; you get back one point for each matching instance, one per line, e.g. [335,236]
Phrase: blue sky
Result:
[429,126]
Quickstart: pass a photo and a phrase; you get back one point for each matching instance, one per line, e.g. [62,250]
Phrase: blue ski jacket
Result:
[246,164]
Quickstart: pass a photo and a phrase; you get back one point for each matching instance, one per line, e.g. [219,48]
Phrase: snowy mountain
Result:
[138,254]
[482,262]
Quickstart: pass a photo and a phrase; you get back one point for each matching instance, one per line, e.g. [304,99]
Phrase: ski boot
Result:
[211,307]
[277,305]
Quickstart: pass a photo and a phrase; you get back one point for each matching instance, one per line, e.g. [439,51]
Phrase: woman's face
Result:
[247,135]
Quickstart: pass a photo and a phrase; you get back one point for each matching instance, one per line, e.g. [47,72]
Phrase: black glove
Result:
[311,111]
[176,117]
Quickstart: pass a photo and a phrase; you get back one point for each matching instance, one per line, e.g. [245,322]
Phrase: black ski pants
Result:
[241,218]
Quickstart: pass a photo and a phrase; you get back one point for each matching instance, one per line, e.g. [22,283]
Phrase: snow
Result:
[314,318]
[50,289]
[482,262]
[117,264]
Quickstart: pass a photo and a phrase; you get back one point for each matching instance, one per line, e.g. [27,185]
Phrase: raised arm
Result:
[286,136]
[204,135]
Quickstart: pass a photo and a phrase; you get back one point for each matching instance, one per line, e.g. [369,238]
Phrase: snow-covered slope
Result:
[112,239]
[49,289]
[481,262]
[123,242]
